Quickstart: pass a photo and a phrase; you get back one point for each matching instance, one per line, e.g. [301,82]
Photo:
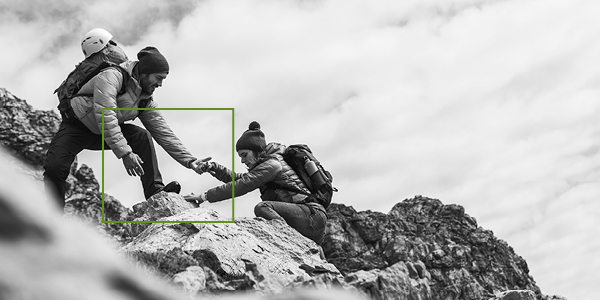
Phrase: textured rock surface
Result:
[250,254]
[516,295]
[26,133]
[84,201]
[399,281]
[442,244]
[158,206]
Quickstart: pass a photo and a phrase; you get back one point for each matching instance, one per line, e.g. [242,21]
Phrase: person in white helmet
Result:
[129,85]
[99,50]
[99,42]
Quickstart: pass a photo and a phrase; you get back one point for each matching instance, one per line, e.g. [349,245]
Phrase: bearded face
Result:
[150,82]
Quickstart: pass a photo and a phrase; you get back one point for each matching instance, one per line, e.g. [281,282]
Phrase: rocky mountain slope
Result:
[25,132]
[436,243]
[422,249]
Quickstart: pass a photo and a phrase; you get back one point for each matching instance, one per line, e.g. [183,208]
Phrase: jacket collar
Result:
[129,65]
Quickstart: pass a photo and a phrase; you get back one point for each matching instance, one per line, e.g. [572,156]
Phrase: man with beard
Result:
[129,85]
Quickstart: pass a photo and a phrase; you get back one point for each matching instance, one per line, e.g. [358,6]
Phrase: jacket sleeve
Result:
[246,182]
[222,173]
[106,86]
[156,124]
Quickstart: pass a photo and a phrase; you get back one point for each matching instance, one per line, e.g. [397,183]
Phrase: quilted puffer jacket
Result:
[270,169]
[104,87]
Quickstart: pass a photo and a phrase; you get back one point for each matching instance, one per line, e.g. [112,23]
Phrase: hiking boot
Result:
[172,187]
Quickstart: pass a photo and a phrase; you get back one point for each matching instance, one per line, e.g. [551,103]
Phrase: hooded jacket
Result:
[104,88]
[272,168]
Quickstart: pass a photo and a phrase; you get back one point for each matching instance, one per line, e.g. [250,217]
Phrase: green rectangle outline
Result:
[232,164]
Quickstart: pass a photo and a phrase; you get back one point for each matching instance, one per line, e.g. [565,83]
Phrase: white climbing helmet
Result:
[94,41]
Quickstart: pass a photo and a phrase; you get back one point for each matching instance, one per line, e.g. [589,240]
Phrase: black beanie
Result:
[151,61]
[252,139]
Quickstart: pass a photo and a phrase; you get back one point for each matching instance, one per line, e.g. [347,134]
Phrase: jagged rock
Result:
[394,282]
[250,254]
[158,206]
[26,132]
[515,295]
[85,202]
[192,280]
[461,260]
[553,297]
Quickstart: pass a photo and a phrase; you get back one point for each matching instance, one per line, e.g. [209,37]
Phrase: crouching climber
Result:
[285,196]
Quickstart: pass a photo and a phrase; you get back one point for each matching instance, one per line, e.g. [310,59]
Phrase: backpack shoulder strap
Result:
[103,66]
[125,81]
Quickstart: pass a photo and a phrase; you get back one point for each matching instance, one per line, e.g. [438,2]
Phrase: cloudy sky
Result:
[492,105]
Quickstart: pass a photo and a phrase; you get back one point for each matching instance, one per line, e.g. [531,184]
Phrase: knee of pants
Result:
[135,131]
[56,170]
[260,209]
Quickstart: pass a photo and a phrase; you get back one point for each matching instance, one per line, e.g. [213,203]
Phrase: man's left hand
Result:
[133,164]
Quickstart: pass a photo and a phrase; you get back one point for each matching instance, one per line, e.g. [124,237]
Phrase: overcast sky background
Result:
[492,105]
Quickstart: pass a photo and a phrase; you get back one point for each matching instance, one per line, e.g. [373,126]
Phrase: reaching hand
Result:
[133,164]
[196,200]
[202,166]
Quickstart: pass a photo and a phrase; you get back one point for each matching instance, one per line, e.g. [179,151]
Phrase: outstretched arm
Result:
[156,124]
[246,182]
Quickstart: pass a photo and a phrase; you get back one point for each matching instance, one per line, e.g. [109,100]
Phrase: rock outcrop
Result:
[26,133]
[84,201]
[250,254]
[438,244]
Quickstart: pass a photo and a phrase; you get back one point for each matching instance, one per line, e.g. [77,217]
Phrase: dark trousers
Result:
[309,221]
[72,138]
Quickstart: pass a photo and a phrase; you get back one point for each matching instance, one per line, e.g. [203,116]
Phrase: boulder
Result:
[250,253]
[25,132]
[433,240]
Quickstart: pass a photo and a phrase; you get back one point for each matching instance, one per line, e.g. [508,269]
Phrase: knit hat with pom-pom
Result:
[252,139]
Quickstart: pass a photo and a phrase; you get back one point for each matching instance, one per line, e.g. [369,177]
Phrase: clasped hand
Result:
[202,166]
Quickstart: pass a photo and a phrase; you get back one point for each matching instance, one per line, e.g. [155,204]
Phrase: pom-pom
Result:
[254,126]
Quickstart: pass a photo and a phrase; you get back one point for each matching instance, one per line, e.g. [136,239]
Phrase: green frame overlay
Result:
[232,166]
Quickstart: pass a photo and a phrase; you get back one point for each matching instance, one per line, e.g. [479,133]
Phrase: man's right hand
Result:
[133,164]
[201,166]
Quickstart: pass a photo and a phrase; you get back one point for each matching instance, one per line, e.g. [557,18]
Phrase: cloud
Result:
[70,19]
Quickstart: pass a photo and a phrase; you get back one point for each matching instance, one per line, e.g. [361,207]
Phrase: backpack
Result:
[84,72]
[315,177]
